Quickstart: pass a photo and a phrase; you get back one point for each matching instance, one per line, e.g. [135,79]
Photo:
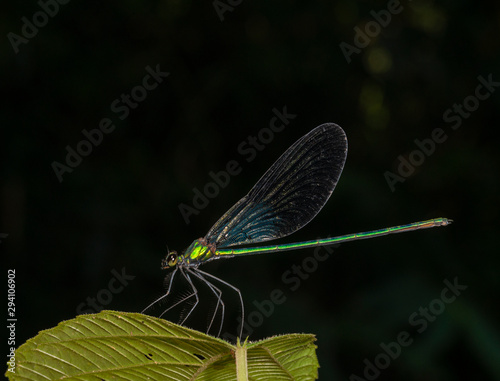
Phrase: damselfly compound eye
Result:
[172,259]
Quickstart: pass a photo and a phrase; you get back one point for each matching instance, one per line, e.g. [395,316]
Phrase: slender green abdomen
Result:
[341,239]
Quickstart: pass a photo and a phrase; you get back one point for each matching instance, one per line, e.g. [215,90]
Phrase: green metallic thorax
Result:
[198,252]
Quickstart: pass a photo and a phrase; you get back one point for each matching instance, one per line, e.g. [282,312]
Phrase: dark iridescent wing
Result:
[290,193]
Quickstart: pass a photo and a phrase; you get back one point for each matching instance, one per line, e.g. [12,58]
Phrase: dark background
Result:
[120,206]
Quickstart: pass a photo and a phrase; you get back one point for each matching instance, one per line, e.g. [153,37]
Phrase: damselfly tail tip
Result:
[446,221]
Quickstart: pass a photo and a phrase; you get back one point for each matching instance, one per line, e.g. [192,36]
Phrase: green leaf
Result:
[132,346]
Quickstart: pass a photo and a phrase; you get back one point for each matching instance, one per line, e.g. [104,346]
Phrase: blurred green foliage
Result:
[119,207]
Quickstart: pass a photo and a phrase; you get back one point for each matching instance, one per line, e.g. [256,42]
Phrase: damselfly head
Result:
[170,260]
